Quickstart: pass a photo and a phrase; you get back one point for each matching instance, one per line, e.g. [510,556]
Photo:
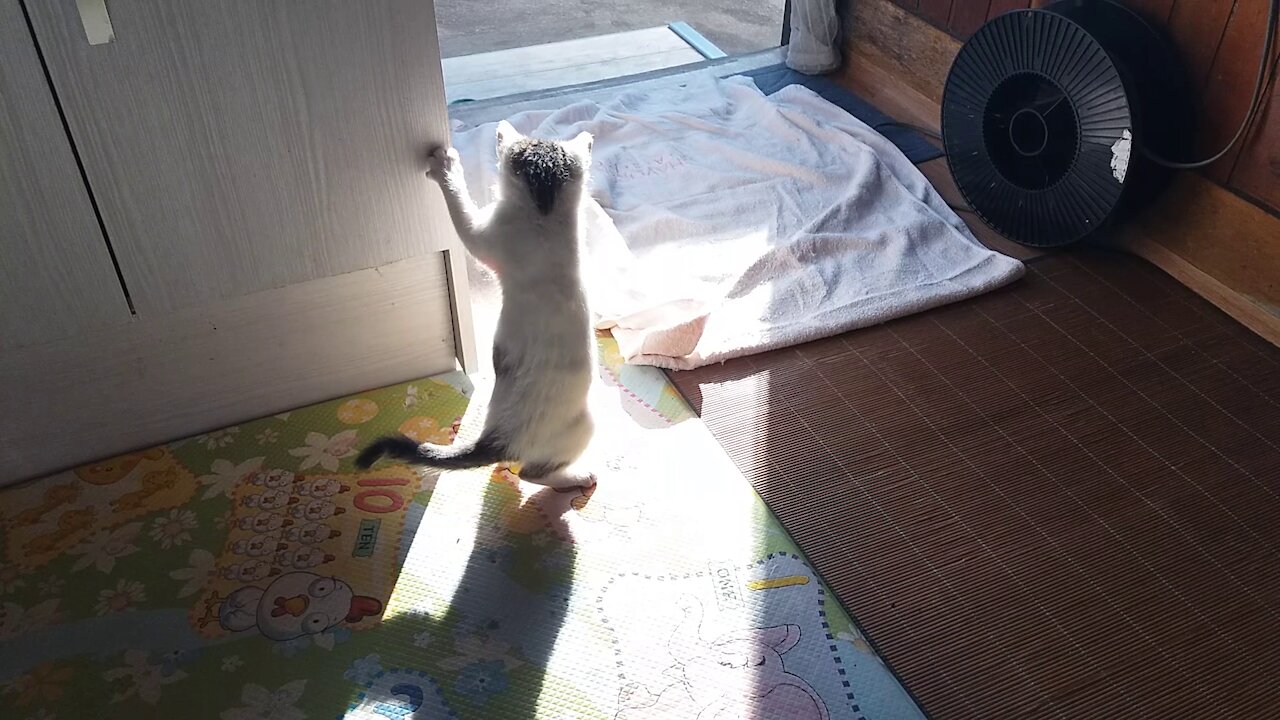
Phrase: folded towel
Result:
[724,222]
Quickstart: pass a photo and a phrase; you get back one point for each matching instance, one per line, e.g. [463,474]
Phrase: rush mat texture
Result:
[253,573]
[1059,500]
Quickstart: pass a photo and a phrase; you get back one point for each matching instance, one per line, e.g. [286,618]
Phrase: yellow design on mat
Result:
[294,540]
[781,582]
[425,429]
[357,411]
[45,519]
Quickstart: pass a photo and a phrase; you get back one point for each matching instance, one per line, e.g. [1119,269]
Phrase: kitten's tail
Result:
[485,451]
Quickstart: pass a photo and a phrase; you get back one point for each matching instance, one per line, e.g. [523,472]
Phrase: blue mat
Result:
[912,144]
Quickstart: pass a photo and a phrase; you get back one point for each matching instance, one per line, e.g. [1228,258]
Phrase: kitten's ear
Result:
[581,145]
[506,136]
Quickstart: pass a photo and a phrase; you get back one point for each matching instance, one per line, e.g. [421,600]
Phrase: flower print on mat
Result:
[482,663]
[364,669]
[51,585]
[16,620]
[126,595]
[425,429]
[44,684]
[139,676]
[199,569]
[481,680]
[225,475]
[174,528]
[217,438]
[325,451]
[101,549]
[10,579]
[357,411]
[259,703]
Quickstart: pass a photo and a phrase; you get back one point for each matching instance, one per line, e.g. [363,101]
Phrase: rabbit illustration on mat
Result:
[737,676]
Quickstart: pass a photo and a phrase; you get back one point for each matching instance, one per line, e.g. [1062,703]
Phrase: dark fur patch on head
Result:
[545,167]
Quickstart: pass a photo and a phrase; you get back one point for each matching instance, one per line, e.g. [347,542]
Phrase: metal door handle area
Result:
[96,21]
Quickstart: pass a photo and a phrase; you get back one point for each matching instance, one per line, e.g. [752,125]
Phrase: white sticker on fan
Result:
[1120,155]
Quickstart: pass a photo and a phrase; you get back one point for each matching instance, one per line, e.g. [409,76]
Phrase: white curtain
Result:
[814,31]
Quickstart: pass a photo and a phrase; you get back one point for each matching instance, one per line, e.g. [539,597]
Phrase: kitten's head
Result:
[548,171]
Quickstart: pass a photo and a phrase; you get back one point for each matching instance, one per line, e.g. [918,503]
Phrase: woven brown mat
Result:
[1058,500]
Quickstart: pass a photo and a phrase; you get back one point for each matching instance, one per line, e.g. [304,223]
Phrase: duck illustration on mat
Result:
[293,605]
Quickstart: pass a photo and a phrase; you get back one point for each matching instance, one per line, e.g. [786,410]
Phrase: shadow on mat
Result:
[486,655]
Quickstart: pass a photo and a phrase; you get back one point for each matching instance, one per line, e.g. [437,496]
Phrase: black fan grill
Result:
[1045,110]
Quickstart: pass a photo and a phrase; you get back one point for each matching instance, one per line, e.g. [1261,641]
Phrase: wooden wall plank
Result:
[1257,172]
[1230,87]
[1218,232]
[936,12]
[904,42]
[1000,7]
[967,16]
[1196,28]
[1154,10]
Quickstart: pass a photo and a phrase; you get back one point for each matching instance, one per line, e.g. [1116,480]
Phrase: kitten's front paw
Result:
[443,162]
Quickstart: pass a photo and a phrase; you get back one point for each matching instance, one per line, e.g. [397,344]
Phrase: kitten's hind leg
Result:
[558,477]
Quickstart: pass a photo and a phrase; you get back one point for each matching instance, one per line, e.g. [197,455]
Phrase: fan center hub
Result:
[1028,132]
[1031,131]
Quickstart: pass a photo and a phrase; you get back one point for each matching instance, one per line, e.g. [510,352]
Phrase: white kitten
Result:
[544,347]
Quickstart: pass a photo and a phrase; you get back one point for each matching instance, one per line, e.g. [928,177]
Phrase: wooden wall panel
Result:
[1257,171]
[1000,7]
[56,276]
[1153,10]
[967,16]
[236,147]
[936,12]
[1196,28]
[1235,69]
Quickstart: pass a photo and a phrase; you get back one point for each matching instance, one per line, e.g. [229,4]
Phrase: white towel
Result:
[725,222]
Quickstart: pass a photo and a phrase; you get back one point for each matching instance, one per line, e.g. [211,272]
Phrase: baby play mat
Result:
[253,572]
